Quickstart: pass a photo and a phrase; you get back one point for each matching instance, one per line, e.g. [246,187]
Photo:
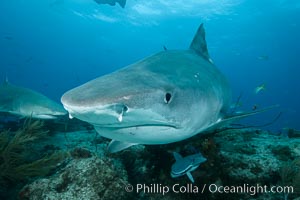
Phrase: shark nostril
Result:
[125,108]
[119,108]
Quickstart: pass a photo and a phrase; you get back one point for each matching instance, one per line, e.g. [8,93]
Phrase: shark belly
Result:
[144,135]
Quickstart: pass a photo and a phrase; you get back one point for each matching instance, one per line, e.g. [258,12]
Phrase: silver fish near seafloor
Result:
[28,103]
[122,3]
[164,98]
[185,165]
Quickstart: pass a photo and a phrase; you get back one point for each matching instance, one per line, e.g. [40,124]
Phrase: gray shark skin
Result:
[122,3]
[28,103]
[164,98]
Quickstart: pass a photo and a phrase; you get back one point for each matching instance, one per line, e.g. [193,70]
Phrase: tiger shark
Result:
[164,98]
[25,102]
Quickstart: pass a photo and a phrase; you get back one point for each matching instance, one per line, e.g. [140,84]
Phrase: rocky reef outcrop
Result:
[235,157]
[83,178]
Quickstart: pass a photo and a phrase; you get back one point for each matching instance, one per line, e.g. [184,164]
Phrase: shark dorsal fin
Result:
[199,43]
[122,3]
[177,156]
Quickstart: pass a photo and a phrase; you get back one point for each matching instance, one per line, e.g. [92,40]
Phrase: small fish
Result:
[8,37]
[260,88]
[263,57]
[254,107]
[185,165]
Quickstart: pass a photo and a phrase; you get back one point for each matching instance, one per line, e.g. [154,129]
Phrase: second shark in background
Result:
[27,103]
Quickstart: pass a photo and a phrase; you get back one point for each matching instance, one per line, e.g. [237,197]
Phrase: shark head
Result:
[28,103]
[164,98]
[40,107]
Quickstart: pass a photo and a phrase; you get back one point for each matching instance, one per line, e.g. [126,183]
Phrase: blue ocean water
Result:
[52,46]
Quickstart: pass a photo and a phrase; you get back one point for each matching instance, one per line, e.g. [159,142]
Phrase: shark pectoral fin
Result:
[190,176]
[44,116]
[177,156]
[115,146]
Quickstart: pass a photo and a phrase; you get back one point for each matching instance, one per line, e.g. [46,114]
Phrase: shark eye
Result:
[168,97]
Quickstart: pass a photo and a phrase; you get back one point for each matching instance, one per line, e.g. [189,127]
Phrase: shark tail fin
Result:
[199,43]
[122,3]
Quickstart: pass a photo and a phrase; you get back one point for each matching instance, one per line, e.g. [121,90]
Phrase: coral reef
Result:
[234,157]
[254,156]
[17,164]
[290,132]
[81,153]
[290,174]
[89,178]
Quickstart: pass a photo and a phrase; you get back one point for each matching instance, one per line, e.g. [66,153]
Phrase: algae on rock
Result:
[81,178]
[290,174]
[15,150]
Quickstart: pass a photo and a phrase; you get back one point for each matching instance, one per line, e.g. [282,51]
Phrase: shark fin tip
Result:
[199,43]
[122,3]
[190,176]
[116,146]
[177,156]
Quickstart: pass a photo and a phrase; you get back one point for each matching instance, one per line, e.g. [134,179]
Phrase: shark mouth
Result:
[115,116]
[120,126]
